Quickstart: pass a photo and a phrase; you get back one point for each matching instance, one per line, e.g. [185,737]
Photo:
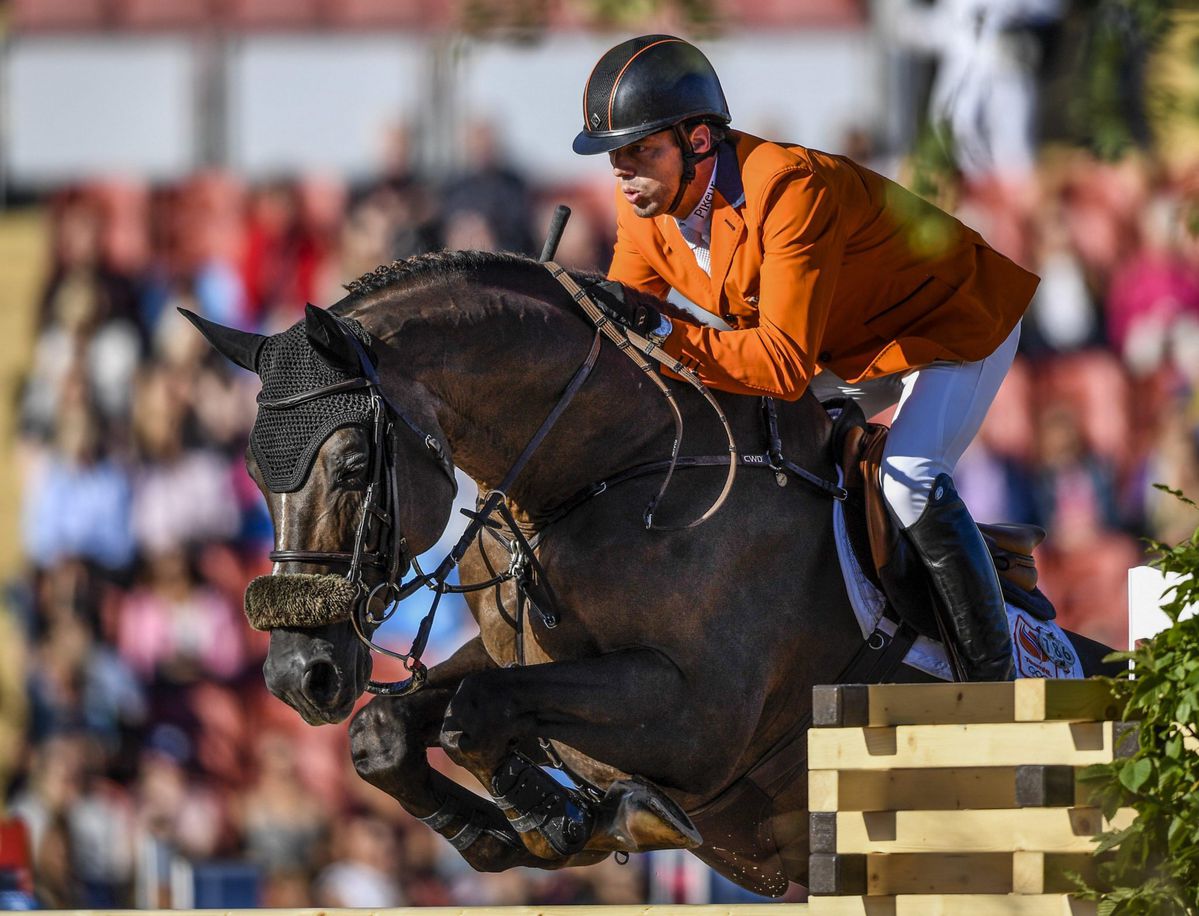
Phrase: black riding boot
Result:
[963,574]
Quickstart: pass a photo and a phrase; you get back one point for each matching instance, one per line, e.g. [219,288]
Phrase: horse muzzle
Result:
[319,678]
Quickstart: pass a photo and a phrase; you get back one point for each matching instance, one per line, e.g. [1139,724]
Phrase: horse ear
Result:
[241,347]
[328,338]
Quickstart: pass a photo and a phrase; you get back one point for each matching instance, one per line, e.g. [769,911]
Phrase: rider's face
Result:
[649,172]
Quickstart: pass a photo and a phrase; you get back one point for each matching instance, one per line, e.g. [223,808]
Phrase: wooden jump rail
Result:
[945,799]
[654,909]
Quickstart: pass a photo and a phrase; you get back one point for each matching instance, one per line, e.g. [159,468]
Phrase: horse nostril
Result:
[321,682]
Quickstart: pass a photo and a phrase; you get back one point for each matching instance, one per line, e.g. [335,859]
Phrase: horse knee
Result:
[382,741]
[482,720]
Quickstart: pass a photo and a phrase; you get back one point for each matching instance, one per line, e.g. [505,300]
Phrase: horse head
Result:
[353,495]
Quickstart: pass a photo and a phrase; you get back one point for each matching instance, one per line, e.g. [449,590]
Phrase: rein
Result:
[633,345]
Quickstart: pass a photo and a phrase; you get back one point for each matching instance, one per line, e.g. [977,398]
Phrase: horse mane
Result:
[434,265]
[441,265]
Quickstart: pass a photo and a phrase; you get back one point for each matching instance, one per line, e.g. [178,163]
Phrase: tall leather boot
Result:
[963,574]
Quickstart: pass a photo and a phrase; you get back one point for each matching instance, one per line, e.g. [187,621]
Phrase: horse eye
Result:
[351,471]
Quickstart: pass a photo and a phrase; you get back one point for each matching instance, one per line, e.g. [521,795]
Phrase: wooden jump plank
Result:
[861,705]
[1041,700]
[1059,830]
[1025,700]
[1047,873]
[945,789]
[909,873]
[953,905]
[1009,744]
[741,909]
[886,874]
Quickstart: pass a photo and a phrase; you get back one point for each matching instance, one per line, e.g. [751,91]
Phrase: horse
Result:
[667,669]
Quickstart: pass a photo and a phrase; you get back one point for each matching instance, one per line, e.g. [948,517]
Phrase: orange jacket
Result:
[817,261]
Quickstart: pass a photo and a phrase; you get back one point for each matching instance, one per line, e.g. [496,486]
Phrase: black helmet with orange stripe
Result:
[645,85]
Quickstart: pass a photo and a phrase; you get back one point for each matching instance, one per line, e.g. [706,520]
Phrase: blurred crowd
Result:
[135,730]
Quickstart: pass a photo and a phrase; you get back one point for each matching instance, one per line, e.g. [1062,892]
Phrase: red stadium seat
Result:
[57,15]
[791,13]
[273,14]
[165,14]
[374,14]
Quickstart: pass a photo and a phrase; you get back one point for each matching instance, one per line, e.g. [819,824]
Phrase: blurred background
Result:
[243,157]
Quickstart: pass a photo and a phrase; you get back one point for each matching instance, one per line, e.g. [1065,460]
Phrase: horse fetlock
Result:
[553,821]
[463,822]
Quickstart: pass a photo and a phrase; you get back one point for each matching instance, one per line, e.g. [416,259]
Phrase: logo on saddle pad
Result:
[1040,650]
[755,459]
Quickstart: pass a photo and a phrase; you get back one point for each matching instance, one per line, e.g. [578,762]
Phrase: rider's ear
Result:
[329,339]
[701,138]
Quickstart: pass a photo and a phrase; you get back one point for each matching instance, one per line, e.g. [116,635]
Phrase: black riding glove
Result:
[609,296]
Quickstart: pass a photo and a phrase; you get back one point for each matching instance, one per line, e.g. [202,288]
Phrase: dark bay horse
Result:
[676,685]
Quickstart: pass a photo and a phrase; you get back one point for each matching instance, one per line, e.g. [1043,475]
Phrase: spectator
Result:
[1154,294]
[176,628]
[52,789]
[985,89]
[176,811]
[362,873]
[489,206]
[282,822]
[180,495]
[78,501]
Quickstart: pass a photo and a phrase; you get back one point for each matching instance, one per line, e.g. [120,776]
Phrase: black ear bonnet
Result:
[285,441]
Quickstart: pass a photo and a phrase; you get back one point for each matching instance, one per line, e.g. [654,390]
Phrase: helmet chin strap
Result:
[690,158]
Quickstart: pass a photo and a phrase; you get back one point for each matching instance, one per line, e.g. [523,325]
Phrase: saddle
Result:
[884,554]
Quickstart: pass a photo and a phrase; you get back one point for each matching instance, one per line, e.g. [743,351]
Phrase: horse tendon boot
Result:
[534,800]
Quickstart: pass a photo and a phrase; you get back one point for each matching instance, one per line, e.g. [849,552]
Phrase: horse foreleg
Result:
[389,739]
[616,708]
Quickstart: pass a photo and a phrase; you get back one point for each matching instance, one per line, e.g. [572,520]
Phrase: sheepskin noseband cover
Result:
[298,600]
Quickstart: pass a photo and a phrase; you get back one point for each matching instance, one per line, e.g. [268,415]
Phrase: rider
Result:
[810,270]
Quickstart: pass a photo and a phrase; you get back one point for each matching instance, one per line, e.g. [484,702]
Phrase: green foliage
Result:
[1111,107]
[1154,870]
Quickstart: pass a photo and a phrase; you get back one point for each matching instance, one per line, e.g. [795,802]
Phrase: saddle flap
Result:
[898,569]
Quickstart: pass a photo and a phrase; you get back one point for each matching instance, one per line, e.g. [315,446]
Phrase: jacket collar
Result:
[728,174]
[727,224]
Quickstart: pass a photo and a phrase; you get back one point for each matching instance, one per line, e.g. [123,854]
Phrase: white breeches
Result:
[941,408]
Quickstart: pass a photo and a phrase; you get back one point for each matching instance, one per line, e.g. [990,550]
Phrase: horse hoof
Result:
[636,816]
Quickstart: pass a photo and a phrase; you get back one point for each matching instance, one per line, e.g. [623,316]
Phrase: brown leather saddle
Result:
[884,554]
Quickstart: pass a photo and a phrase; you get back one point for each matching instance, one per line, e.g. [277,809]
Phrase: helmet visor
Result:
[589,143]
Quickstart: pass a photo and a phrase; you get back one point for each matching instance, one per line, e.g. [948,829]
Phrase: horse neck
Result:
[496,363]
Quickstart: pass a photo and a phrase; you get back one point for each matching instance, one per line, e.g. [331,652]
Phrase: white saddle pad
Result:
[1040,648]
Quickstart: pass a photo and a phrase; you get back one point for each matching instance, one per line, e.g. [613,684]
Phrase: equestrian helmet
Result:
[645,85]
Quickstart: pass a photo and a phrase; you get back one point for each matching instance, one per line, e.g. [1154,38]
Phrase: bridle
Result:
[379,515]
